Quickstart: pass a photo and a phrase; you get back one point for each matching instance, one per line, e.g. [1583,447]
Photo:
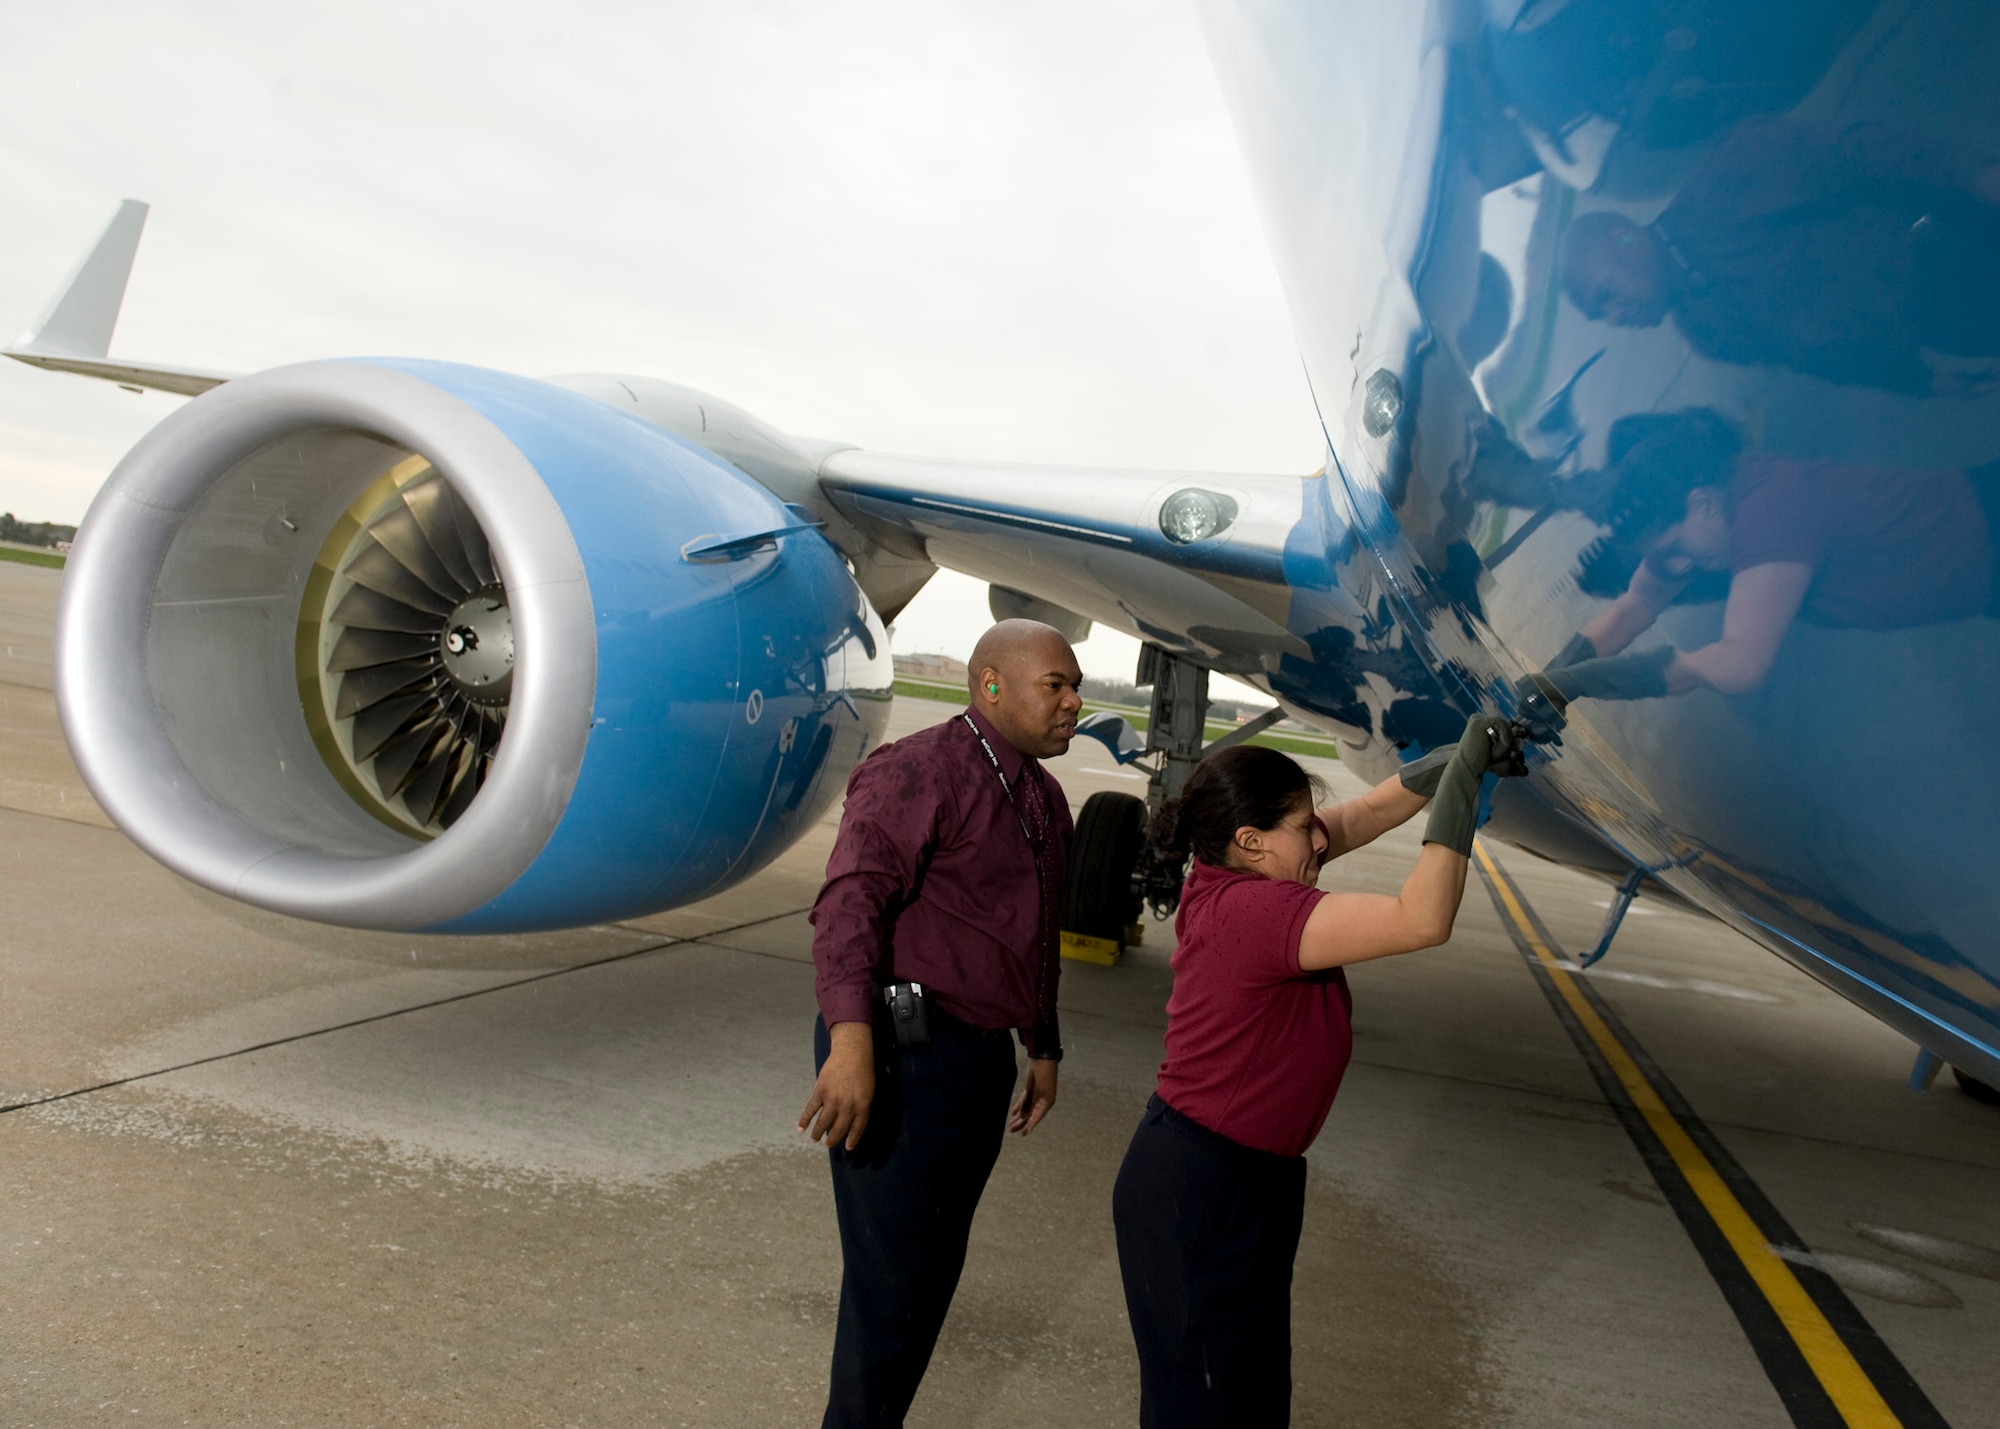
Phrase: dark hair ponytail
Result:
[1244,786]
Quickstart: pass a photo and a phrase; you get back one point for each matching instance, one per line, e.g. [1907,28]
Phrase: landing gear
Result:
[1100,902]
[1113,871]
[1174,731]
[1178,725]
[1929,1064]
[1979,1091]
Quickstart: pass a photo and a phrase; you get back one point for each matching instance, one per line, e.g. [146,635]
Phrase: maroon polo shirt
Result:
[1888,548]
[1255,1047]
[933,880]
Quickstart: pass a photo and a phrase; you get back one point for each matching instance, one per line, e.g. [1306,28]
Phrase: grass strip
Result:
[1290,743]
[33,558]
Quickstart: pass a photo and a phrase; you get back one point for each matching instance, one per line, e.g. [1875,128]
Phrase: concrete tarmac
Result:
[555,1180]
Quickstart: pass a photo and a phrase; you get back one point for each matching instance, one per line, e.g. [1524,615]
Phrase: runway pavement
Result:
[554,1180]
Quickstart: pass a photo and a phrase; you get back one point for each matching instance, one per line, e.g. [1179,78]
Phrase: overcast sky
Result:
[1012,231]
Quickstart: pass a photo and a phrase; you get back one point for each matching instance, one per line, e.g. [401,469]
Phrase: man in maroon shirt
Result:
[947,873]
[1853,253]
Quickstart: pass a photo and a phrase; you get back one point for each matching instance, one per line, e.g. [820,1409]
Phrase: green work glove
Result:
[1541,707]
[1507,743]
[1498,743]
[1492,744]
[1576,652]
[1489,743]
[1420,776]
[1454,808]
[1641,676]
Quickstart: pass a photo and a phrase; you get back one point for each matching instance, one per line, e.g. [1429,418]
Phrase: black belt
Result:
[959,1027]
[941,1022]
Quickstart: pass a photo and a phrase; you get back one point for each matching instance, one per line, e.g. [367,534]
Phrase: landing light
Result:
[1193,515]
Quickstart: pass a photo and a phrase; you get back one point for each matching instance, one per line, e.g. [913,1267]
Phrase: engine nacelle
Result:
[410,645]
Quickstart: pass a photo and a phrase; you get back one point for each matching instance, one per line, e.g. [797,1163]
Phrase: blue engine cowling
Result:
[411,645]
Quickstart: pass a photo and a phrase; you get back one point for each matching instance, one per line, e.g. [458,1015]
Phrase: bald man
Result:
[1860,254]
[935,943]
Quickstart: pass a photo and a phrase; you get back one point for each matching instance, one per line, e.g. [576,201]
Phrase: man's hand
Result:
[846,1087]
[1038,1094]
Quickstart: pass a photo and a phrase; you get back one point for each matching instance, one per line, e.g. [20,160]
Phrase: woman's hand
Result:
[1493,744]
[1490,745]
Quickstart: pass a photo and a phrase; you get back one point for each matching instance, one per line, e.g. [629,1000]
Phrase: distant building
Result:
[941,668]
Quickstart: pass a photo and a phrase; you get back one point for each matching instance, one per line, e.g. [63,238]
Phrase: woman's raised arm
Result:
[1356,927]
[1354,822]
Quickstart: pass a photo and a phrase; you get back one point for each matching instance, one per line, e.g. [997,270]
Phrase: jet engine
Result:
[401,644]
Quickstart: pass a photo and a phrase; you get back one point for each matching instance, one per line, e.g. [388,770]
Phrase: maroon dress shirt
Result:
[933,879]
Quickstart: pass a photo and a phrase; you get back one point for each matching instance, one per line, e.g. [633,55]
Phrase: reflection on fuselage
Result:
[1858,252]
[1695,313]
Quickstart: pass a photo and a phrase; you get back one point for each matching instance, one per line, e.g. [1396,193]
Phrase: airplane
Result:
[1659,396]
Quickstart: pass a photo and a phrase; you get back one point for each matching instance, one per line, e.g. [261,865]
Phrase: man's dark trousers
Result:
[904,1198]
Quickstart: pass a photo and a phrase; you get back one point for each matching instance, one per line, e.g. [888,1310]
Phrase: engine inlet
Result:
[406,648]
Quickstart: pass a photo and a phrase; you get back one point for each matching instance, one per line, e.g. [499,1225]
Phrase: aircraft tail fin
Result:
[73,333]
[79,320]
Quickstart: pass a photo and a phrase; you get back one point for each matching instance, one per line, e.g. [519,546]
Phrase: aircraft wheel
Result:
[1099,902]
[1979,1091]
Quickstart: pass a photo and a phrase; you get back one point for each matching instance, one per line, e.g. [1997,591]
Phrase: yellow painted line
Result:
[1853,1393]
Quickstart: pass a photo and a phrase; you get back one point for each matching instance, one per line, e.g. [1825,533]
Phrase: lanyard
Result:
[1046,914]
[1001,775]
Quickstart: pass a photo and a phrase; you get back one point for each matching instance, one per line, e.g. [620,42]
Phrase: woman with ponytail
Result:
[1209,1201]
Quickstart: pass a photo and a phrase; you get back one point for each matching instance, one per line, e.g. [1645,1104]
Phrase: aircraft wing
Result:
[74,333]
[287,645]
[1191,561]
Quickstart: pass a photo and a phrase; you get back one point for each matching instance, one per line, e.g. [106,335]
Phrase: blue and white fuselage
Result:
[1419,166]
[1659,363]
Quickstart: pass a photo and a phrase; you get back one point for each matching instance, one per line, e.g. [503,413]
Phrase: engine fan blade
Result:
[399,534]
[425,790]
[424,720]
[397,762]
[490,724]
[357,648]
[362,688]
[378,724]
[473,540]
[462,792]
[430,504]
[375,568]
[364,607]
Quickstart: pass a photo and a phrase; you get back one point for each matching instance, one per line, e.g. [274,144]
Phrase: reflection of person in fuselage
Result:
[1858,254]
[1847,546]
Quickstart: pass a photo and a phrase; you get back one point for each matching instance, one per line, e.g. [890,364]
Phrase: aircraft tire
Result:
[1099,902]
[1979,1091]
